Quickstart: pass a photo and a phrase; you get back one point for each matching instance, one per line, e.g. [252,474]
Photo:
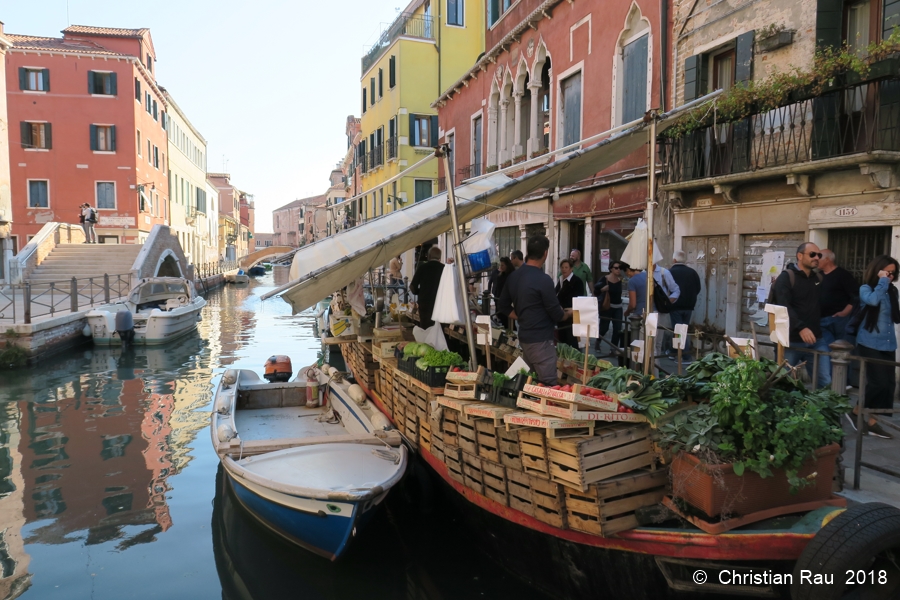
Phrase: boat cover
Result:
[330,264]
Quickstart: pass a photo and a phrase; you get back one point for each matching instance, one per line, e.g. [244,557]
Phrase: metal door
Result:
[709,257]
[855,247]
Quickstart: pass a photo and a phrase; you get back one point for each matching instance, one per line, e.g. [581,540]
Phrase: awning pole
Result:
[651,200]
[442,152]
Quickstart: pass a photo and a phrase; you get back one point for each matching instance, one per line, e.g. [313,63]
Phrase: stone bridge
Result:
[257,257]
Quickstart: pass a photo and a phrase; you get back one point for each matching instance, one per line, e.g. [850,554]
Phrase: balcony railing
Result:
[392,147]
[469,171]
[363,162]
[376,156]
[407,25]
[848,120]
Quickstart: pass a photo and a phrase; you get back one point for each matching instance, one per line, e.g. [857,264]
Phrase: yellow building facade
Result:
[428,47]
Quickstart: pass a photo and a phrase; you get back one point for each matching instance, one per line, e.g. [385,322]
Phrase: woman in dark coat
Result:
[610,284]
[505,270]
[568,287]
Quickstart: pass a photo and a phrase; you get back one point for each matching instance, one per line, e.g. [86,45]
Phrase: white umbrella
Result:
[635,254]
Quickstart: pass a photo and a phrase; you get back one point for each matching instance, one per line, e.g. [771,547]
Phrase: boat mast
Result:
[443,152]
[651,201]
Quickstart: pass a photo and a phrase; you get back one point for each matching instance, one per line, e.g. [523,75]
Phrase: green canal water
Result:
[110,489]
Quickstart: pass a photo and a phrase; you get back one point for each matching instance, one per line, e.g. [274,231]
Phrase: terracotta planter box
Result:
[716,489]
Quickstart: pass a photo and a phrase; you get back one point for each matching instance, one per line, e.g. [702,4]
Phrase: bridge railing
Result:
[22,302]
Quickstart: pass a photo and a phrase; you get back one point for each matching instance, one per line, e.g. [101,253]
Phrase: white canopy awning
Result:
[330,264]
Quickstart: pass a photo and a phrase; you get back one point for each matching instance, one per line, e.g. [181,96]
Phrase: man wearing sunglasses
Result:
[798,290]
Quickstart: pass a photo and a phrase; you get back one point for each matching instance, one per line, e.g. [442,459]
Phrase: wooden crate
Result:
[533,451]
[454,463]
[519,491]
[615,449]
[472,477]
[466,437]
[494,477]
[464,391]
[609,507]
[400,417]
[437,448]
[549,502]
[425,434]
[450,428]
[486,436]
[412,427]
[508,446]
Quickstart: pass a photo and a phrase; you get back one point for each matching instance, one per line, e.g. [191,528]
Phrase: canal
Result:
[109,487]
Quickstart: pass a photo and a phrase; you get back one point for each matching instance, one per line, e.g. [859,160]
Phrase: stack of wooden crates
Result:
[589,484]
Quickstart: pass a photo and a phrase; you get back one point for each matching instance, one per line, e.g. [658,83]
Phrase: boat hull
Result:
[161,327]
[319,526]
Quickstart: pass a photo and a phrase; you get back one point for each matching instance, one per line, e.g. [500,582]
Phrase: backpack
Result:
[660,296]
[793,277]
[92,217]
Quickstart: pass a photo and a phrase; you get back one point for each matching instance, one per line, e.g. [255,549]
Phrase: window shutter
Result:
[91,83]
[137,89]
[380,83]
[155,112]
[113,85]
[112,138]
[743,69]
[26,134]
[829,23]
[364,101]
[372,90]
[891,17]
[46,80]
[413,131]
[494,11]
[48,135]
[93,137]
[434,131]
[694,76]
[23,78]
[392,70]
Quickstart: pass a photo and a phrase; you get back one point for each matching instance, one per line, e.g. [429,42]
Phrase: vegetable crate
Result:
[609,507]
[460,390]
[467,438]
[453,460]
[450,428]
[549,502]
[471,466]
[466,376]
[553,427]
[494,478]
[533,452]
[565,404]
[518,485]
[508,446]
[425,434]
[612,451]
[486,435]
[412,426]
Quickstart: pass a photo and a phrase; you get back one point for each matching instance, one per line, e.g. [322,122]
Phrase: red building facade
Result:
[87,124]
[554,74]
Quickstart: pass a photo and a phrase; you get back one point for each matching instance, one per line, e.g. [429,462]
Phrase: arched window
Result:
[632,67]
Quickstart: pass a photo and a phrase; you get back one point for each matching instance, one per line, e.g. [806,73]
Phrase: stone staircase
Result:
[85,260]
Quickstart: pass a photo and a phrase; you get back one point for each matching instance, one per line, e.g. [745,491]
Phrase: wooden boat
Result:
[161,309]
[312,475]
[236,276]
[257,271]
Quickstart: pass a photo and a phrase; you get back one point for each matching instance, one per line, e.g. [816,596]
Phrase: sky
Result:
[268,83]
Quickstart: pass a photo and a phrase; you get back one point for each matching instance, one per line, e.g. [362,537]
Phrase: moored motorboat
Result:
[156,311]
[236,276]
[312,474]
[257,271]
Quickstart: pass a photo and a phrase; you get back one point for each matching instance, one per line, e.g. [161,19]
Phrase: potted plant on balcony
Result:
[519,158]
[491,168]
[761,442]
[773,36]
[505,163]
[540,152]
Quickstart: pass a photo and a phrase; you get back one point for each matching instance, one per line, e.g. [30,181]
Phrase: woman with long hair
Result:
[611,285]
[505,268]
[876,339]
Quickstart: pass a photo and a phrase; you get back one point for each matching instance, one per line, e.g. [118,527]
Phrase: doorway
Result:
[855,247]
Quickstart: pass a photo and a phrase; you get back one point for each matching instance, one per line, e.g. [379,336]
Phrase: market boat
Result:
[312,474]
[524,484]
[156,311]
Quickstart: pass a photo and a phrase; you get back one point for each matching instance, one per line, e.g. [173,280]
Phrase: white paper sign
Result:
[483,325]
[586,318]
[650,324]
[782,333]
[746,344]
[517,366]
[637,351]
[680,337]
[604,260]
[772,265]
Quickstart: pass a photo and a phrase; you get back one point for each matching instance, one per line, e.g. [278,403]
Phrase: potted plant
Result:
[519,158]
[761,442]
[506,163]
[491,168]
[540,152]
[773,36]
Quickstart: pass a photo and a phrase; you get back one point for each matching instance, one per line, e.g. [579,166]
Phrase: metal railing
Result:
[392,147]
[211,269]
[406,24]
[363,162]
[845,120]
[20,303]
[469,171]
[376,156]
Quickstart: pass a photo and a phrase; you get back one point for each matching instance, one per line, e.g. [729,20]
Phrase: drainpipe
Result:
[664,51]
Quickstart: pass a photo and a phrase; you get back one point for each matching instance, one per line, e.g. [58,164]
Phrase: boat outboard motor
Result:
[125,327]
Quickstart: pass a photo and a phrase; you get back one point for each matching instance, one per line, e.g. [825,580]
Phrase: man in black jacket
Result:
[425,285]
[797,288]
[683,308]
[528,296]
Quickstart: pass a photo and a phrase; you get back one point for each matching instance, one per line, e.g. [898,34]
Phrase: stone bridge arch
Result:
[257,257]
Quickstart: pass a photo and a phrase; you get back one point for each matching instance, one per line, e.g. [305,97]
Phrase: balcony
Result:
[845,125]
[363,162]
[469,171]
[404,25]
[392,147]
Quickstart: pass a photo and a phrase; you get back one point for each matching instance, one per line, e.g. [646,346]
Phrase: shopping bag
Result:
[433,336]
[481,236]
[447,307]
